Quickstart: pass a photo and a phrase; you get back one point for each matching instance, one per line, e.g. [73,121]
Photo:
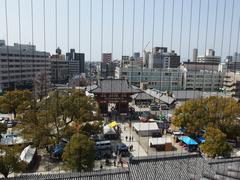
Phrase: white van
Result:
[102,145]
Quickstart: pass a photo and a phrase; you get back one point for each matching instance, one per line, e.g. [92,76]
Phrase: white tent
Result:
[159,141]
[27,154]
[146,129]
[108,130]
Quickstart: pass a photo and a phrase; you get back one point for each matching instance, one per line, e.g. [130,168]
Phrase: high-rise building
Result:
[160,58]
[106,57]
[59,68]
[76,63]
[21,64]
[195,55]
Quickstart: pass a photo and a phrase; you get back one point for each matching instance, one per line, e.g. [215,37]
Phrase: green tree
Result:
[215,144]
[199,113]
[50,119]
[79,153]
[9,161]
[14,101]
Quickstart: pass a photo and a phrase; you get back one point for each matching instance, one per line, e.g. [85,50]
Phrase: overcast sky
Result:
[130,44]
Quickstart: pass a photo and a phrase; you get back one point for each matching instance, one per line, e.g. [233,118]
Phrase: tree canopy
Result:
[198,114]
[9,162]
[222,112]
[215,144]
[53,116]
[79,153]
[14,101]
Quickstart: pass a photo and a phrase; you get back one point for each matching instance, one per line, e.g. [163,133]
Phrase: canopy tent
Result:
[108,130]
[146,129]
[159,141]
[113,124]
[187,140]
[28,154]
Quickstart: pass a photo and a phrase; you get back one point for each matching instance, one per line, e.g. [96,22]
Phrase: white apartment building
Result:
[20,64]
[202,76]
[161,79]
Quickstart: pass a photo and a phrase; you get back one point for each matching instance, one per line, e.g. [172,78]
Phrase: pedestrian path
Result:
[137,148]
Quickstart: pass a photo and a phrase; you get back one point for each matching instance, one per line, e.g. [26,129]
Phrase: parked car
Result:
[122,149]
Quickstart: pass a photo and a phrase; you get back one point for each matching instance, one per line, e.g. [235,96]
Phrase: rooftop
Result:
[157,167]
[114,86]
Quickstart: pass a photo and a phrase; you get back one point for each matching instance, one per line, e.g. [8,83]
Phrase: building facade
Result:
[76,63]
[161,79]
[21,64]
[160,58]
[209,57]
[202,76]
[106,57]
[231,84]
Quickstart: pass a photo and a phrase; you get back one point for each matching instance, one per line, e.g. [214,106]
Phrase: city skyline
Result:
[59,38]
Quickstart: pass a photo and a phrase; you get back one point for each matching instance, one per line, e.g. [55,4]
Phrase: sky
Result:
[84,36]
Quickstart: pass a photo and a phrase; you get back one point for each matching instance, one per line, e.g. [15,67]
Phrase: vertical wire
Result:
[173,3]
[133,30]
[215,25]
[163,18]
[180,49]
[20,38]
[143,55]
[79,26]
[231,28]
[229,49]
[238,31]
[199,22]
[181,21]
[7,48]
[123,19]
[90,45]
[206,35]
[101,37]
[190,29]
[223,24]
[189,43]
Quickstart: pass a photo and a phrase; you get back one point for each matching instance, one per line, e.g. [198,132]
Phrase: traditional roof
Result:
[119,174]
[114,86]
[160,96]
[185,166]
[142,96]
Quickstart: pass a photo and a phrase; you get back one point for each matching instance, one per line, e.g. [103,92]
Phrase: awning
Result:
[187,140]
[113,124]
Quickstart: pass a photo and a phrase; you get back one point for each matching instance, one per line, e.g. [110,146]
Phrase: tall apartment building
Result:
[231,83]
[20,65]
[160,58]
[161,79]
[202,76]
[76,63]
